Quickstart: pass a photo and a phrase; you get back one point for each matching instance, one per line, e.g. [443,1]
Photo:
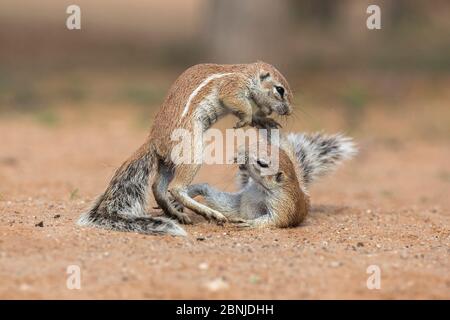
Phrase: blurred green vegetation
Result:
[142,95]
[355,99]
[47,117]
[74,194]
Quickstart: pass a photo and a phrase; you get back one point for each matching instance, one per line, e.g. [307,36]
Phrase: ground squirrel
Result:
[280,199]
[199,97]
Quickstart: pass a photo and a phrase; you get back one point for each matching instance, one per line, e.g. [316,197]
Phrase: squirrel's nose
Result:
[286,110]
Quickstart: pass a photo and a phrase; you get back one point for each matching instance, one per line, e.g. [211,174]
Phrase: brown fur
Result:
[287,199]
[237,87]
[293,204]
[275,193]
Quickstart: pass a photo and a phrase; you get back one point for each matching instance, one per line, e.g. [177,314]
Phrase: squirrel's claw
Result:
[241,124]
[183,218]
[236,220]
[219,218]
[178,206]
[245,224]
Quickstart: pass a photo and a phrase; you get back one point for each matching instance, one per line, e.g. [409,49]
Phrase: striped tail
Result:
[122,207]
[319,153]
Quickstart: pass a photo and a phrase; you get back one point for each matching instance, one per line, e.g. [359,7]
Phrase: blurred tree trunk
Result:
[239,31]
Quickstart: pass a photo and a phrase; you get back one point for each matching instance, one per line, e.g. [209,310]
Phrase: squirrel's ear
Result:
[264,75]
[279,176]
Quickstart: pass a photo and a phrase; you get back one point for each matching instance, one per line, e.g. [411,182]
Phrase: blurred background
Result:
[387,88]
[293,34]
[132,50]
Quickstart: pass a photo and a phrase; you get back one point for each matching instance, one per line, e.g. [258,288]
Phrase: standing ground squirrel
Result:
[280,199]
[200,96]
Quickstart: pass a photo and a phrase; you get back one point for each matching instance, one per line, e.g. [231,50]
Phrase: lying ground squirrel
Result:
[199,97]
[280,199]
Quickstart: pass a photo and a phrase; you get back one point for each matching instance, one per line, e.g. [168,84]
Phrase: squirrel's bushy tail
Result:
[120,222]
[319,153]
[122,206]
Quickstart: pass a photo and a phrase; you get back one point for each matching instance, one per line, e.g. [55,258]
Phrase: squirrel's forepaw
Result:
[242,123]
[265,123]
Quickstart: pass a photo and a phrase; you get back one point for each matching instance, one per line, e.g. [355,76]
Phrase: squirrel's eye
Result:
[262,164]
[264,76]
[279,176]
[280,90]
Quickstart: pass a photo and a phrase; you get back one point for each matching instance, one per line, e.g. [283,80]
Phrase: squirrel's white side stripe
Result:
[197,90]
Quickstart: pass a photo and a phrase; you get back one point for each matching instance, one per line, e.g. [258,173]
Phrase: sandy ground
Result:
[389,207]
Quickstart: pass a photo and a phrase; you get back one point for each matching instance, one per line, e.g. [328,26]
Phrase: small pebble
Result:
[254,279]
[24,287]
[335,264]
[403,255]
[203,266]
[217,285]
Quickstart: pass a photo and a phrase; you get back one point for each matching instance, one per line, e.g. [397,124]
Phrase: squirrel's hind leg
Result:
[159,187]
[225,202]
[184,174]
